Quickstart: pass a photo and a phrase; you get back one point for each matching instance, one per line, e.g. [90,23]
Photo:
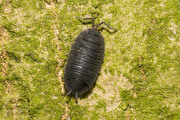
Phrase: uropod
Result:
[84,60]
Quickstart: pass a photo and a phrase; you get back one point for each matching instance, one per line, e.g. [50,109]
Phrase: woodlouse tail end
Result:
[76,96]
[69,92]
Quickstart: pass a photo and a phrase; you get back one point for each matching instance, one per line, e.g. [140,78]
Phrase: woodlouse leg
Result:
[87,19]
[106,25]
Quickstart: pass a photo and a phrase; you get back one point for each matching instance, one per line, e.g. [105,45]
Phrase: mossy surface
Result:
[140,76]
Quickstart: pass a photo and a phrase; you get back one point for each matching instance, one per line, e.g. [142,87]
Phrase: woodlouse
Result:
[84,60]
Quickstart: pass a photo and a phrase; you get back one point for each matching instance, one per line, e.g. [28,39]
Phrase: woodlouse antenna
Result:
[87,19]
[98,24]
[106,25]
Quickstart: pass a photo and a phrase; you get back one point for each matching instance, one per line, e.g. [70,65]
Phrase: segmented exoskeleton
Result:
[84,60]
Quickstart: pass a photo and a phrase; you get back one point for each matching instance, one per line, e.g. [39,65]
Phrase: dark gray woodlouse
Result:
[84,60]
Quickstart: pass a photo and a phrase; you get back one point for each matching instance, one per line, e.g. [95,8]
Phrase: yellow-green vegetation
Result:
[140,76]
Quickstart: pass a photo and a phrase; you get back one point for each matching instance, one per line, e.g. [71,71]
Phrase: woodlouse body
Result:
[84,61]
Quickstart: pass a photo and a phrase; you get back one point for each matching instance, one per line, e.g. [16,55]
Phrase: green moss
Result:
[77,112]
[125,95]
[100,87]
[50,66]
